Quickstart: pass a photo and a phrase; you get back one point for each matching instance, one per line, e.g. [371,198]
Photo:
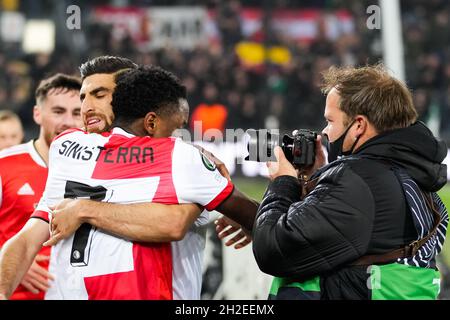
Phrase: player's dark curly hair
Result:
[145,89]
[105,64]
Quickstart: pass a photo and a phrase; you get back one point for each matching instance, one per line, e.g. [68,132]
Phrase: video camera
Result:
[299,149]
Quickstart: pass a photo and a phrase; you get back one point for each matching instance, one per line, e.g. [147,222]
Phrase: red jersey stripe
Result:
[220,197]
[41,215]
[151,278]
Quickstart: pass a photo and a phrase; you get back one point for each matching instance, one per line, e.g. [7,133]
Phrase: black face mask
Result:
[335,148]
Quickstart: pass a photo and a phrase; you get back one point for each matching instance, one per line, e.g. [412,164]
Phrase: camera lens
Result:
[261,144]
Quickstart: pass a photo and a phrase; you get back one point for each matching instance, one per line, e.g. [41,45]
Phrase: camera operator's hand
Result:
[319,162]
[282,167]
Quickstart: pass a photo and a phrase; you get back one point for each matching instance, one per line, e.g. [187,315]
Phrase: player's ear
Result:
[37,115]
[150,123]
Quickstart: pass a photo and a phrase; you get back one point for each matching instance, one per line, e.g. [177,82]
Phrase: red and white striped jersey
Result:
[22,180]
[121,168]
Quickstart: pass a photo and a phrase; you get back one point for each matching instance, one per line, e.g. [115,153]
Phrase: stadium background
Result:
[250,64]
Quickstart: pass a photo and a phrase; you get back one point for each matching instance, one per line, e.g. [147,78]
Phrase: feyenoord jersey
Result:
[22,180]
[118,167]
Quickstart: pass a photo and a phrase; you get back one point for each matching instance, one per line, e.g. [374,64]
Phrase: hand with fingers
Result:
[319,161]
[64,220]
[37,278]
[226,227]
[219,163]
[282,167]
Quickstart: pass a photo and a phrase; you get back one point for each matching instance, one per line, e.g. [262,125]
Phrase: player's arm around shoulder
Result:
[240,209]
[144,222]
[18,253]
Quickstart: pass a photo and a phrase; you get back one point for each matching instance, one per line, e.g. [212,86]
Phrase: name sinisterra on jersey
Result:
[133,154]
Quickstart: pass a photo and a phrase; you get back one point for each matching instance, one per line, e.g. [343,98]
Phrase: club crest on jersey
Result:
[208,163]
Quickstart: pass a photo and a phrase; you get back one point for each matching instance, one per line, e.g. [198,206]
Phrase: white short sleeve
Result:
[52,186]
[42,211]
[196,178]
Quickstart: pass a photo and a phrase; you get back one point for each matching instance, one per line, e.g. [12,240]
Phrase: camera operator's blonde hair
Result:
[371,91]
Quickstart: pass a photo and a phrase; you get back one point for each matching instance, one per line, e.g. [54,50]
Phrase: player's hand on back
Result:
[65,219]
[37,278]
[219,163]
[226,227]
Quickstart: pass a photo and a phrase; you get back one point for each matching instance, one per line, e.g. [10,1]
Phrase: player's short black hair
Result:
[105,64]
[57,81]
[145,89]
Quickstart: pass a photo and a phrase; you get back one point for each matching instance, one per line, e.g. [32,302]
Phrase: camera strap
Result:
[408,251]
[307,185]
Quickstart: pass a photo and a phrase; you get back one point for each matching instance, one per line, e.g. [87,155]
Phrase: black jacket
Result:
[357,207]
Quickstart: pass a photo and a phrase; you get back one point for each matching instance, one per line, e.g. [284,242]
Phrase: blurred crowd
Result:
[284,96]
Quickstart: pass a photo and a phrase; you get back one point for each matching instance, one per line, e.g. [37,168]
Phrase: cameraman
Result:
[359,227]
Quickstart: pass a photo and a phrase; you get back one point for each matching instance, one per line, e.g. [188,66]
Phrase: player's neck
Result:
[134,128]
[42,149]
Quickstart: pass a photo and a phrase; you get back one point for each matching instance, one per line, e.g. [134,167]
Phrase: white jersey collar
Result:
[122,132]
[34,154]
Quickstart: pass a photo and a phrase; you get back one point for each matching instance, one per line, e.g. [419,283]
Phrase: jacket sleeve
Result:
[330,227]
